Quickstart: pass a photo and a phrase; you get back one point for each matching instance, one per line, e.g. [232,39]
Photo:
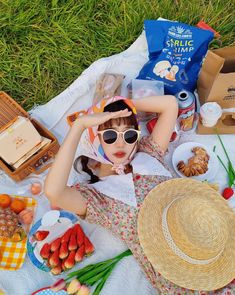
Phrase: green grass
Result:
[45,45]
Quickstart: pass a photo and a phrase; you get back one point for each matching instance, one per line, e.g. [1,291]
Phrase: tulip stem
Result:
[80,271]
[102,282]
[98,272]
[230,170]
[100,268]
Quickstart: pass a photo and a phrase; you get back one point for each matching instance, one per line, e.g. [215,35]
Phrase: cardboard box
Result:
[225,125]
[18,139]
[216,80]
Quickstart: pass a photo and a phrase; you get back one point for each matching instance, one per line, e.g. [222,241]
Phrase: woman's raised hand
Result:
[87,121]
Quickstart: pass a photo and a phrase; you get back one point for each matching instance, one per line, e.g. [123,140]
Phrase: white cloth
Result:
[121,187]
[127,277]
[145,164]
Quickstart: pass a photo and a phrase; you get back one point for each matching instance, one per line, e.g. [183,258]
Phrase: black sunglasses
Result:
[130,136]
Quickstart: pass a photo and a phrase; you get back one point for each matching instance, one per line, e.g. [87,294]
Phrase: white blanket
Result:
[127,277]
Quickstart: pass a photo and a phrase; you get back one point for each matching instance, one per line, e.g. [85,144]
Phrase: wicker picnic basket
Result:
[39,162]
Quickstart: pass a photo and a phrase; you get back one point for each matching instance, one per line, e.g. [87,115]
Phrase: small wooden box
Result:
[9,109]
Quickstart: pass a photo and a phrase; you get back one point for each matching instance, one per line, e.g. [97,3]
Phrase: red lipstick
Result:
[120,154]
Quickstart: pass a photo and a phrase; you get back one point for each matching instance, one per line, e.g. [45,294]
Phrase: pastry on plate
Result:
[196,165]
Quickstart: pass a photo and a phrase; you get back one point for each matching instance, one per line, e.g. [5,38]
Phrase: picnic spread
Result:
[50,243]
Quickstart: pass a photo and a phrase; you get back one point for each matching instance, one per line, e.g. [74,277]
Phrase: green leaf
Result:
[92,273]
[124,254]
[99,287]
[223,164]
[230,170]
[231,174]
[230,166]
[101,283]
[80,271]
[99,276]
[225,151]
[88,268]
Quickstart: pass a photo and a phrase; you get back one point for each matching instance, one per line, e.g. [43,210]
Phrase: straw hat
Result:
[187,232]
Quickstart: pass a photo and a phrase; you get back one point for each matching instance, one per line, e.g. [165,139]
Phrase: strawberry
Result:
[69,261]
[55,244]
[75,229]
[89,248]
[227,193]
[41,235]
[80,235]
[54,258]
[80,253]
[63,252]
[48,259]
[57,269]
[72,243]
[66,235]
[45,251]
[63,266]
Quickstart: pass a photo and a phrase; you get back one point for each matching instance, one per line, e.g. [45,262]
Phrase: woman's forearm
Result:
[155,104]
[57,177]
[167,108]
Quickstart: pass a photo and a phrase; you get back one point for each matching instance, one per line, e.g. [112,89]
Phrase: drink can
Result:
[186,102]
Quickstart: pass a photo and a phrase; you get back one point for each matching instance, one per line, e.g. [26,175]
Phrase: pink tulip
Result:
[59,285]
[73,286]
[84,290]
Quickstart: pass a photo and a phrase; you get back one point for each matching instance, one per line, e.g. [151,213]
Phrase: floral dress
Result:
[121,219]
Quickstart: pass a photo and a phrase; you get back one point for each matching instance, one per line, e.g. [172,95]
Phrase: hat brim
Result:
[196,277]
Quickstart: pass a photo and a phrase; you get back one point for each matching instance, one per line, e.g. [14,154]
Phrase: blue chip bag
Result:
[176,51]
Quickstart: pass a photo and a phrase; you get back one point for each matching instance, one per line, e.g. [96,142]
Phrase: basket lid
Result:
[9,109]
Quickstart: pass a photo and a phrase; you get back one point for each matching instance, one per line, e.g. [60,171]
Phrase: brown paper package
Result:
[216,81]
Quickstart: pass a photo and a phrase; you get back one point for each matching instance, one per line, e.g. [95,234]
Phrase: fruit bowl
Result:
[57,246]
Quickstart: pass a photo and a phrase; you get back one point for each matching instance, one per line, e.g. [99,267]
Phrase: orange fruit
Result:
[17,206]
[5,200]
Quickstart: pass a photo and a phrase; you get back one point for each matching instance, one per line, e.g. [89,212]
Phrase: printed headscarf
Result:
[89,144]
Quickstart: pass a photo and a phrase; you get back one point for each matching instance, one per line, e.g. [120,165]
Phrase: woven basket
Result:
[9,109]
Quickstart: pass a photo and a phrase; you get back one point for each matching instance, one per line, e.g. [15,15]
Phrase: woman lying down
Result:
[123,168]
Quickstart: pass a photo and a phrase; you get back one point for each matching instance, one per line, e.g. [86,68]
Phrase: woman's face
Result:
[119,151]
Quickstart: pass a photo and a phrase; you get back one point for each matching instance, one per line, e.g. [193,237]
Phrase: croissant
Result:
[198,164]
[201,152]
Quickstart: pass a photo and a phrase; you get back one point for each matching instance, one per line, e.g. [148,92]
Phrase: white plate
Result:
[183,153]
[50,218]
[65,221]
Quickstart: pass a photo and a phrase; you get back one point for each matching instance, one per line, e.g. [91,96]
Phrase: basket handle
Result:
[44,167]
[39,171]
